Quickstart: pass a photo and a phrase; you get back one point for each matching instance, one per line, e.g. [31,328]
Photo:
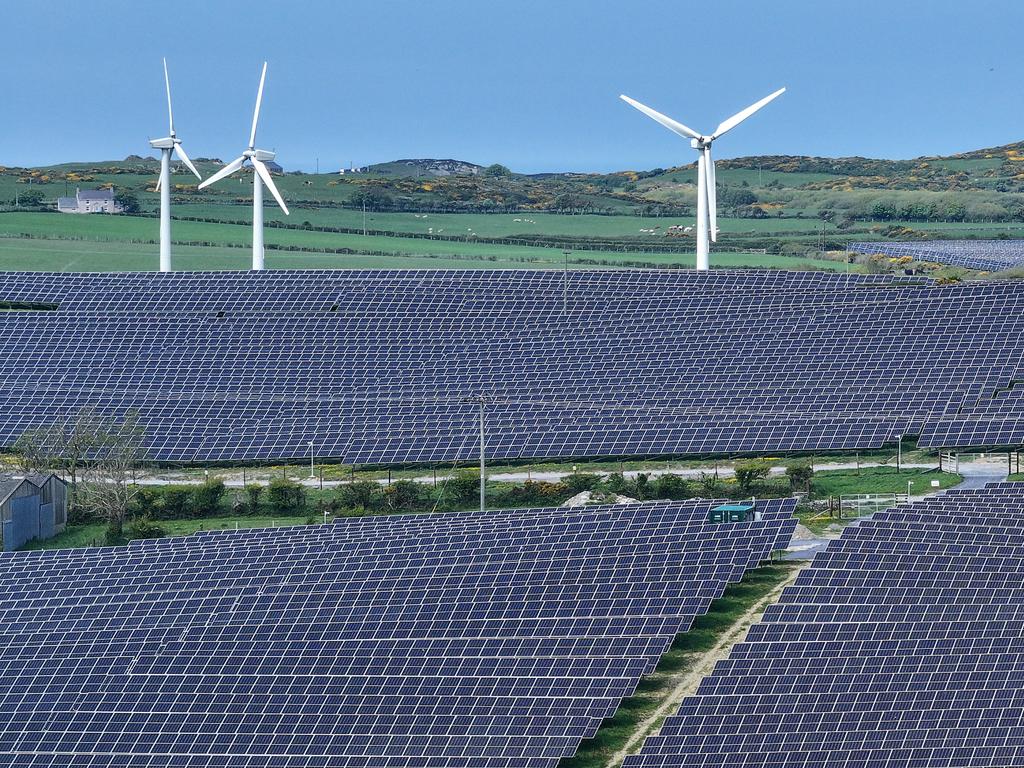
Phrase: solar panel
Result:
[986,255]
[384,366]
[462,639]
[899,645]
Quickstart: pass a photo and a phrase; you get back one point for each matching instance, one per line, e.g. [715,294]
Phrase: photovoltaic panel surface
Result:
[445,640]
[386,366]
[987,255]
[900,645]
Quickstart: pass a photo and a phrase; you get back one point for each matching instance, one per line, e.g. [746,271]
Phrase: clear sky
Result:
[532,84]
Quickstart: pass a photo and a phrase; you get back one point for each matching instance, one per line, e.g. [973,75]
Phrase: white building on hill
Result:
[89,201]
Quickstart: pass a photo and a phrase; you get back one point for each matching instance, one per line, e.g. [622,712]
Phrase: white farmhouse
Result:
[89,201]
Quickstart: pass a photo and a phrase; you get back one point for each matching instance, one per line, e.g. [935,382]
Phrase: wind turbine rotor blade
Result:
[739,117]
[167,83]
[180,152]
[227,170]
[709,170]
[256,112]
[158,178]
[668,122]
[264,173]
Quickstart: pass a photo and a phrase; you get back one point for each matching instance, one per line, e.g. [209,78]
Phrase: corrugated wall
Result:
[25,517]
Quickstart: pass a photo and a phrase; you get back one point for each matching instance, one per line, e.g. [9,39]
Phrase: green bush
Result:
[358,495]
[464,486]
[709,486]
[534,493]
[641,487]
[175,503]
[286,497]
[113,536]
[579,482]
[616,483]
[145,527]
[800,474]
[671,487]
[79,514]
[749,473]
[406,496]
[207,498]
[253,492]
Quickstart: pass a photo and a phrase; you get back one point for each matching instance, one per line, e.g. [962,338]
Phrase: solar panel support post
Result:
[899,453]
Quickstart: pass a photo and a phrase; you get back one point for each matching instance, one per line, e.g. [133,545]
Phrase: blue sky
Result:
[532,84]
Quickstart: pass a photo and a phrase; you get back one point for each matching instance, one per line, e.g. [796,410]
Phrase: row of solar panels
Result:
[986,255]
[646,363]
[900,645]
[472,640]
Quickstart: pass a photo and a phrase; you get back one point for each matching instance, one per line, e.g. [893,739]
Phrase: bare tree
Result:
[66,446]
[38,449]
[107,486]
[81,439]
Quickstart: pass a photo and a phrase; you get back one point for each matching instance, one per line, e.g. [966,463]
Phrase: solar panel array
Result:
[985,255]
[460,640]
[384,366]
[901,645]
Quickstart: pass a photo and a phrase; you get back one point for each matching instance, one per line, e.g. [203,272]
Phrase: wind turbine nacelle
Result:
[167,143]
[263,155]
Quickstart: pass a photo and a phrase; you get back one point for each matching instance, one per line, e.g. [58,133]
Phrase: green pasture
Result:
[112,256]
[510,225]
[64,242]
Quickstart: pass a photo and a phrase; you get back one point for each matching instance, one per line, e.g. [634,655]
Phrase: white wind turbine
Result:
[258,158]
[707,213]
[167,145]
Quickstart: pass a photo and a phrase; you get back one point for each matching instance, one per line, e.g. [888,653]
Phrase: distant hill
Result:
[426,167]
[984,185]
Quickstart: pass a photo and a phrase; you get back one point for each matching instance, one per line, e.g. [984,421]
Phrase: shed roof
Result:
[8,485]
[39,479]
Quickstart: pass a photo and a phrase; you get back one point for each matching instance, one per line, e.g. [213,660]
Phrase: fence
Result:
[861,505]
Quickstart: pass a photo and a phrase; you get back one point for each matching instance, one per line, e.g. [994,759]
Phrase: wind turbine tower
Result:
[258,158]
[167,145]
[707,204]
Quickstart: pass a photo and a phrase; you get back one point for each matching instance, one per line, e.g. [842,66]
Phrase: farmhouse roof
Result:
[96,194]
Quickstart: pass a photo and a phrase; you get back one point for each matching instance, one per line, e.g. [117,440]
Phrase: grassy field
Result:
[85,244]
[655,689]
[91,534]
[498,224]
[880,480]
[93,256]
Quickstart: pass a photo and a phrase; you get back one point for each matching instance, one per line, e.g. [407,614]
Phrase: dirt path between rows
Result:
[690,678]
